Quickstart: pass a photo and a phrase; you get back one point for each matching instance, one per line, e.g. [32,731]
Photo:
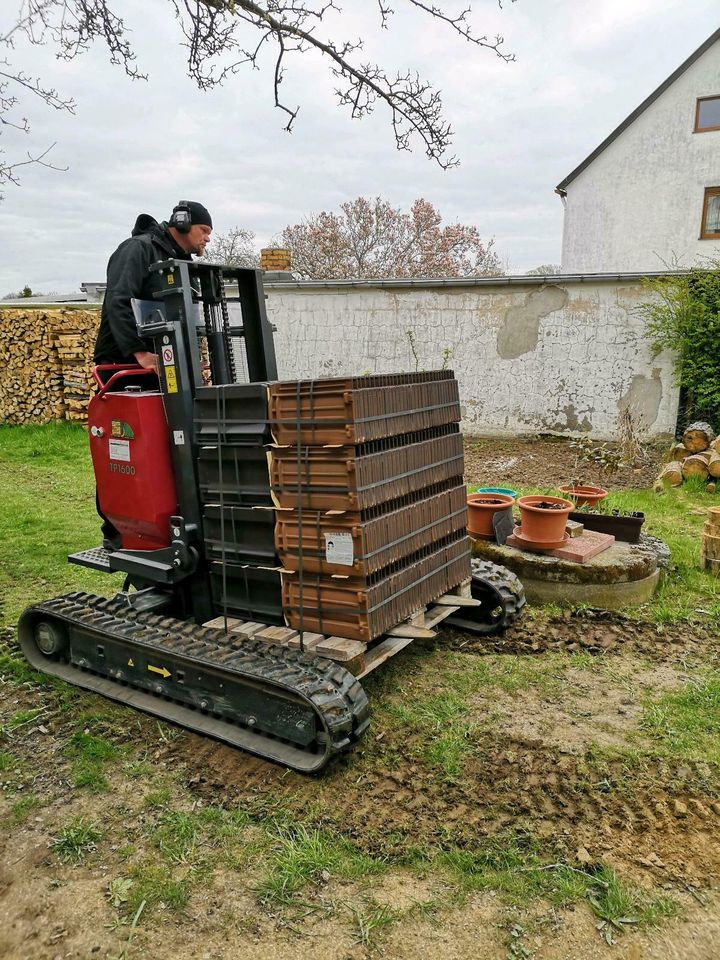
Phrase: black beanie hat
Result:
[198,213]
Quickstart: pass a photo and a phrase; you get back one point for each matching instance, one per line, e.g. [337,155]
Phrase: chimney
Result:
[277,263]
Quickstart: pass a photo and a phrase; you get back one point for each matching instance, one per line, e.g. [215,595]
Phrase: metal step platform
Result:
[96,558]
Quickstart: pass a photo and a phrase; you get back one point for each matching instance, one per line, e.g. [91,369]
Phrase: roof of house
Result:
[560,188]
[43,298]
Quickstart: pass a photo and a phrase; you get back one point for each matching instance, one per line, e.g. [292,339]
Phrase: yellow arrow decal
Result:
[163,671]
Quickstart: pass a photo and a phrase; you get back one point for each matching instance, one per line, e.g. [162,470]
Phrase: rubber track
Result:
[510,592]
[506,583]
[335,695]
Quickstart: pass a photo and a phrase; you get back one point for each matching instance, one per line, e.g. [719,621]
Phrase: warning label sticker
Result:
[120,450]
[168,355]
[339,548]
[179,437]
[171,380]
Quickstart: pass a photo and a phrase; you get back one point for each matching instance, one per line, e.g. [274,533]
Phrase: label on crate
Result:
[120,450]
[339,548]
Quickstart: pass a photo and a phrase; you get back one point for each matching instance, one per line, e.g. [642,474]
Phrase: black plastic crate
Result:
[246,591]
[235,475]
[235,413]
[240,534]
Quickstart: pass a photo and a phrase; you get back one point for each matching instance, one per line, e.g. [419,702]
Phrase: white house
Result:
[649,195]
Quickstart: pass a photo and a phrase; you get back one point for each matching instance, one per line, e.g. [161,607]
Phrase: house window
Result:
[710,229]
[707,114]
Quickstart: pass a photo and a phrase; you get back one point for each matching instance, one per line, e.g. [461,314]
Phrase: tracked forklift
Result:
[178,459]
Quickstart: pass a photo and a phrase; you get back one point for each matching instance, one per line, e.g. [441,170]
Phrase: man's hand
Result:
[147,360]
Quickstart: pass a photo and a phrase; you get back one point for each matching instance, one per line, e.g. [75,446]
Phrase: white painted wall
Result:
[638,205]
[530,357]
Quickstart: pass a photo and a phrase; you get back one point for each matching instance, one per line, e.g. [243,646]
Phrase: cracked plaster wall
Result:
[563,358]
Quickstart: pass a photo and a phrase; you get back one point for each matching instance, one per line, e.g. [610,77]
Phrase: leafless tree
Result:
[16,83]
[236,248]
[222,36]
[544,270]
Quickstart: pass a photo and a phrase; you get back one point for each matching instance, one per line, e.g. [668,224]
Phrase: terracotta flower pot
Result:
[584,495]
[544,523]
[482,507]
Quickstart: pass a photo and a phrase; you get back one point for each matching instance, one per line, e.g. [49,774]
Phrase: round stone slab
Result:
[626,574]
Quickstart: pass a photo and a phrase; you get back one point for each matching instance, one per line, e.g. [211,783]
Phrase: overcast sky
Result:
[132,147]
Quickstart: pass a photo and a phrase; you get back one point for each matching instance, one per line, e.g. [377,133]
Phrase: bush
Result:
[685,318]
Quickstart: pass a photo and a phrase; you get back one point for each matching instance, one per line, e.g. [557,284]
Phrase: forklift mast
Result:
[198,344]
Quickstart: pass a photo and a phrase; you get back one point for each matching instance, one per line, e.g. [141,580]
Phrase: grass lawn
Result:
[677,516]
[47,510]
[181,841]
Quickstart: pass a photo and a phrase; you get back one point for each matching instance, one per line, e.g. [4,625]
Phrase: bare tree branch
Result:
[222,36]
[236,248]
[461,25]
[8,170]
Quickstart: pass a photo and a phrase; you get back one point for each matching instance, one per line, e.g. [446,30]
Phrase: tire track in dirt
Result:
[589,631]
[513,785]
[388,801]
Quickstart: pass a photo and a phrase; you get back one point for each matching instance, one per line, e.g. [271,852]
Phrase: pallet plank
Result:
[382,652]
[341,648]
[250,628]
[310,641]
[224,623]
[279,635]
[436,615]
[349,653]
[408,630]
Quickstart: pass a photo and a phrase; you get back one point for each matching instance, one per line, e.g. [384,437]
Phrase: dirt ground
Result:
[553,746]
[531,768]
[550,462]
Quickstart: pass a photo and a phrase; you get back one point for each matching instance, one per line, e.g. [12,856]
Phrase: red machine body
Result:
[130,449]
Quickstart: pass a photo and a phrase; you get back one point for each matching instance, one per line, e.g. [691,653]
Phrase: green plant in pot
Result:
[543,518]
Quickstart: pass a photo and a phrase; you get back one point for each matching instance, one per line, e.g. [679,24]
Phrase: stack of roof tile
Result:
[367,478]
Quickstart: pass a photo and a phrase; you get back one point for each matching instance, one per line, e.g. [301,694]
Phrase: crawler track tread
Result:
[331,692]
[507,593]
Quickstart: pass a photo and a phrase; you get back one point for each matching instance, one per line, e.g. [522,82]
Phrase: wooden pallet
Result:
[359,658]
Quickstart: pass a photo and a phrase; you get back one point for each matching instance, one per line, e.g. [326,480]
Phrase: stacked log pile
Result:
[74,341]
[45,364]
[710,549]
[698,455]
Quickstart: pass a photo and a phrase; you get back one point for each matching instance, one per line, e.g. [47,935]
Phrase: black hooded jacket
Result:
[128,275]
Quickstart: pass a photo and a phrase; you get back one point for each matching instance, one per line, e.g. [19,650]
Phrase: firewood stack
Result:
[710,548]
[698,455]
[45,363]
[74,340]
